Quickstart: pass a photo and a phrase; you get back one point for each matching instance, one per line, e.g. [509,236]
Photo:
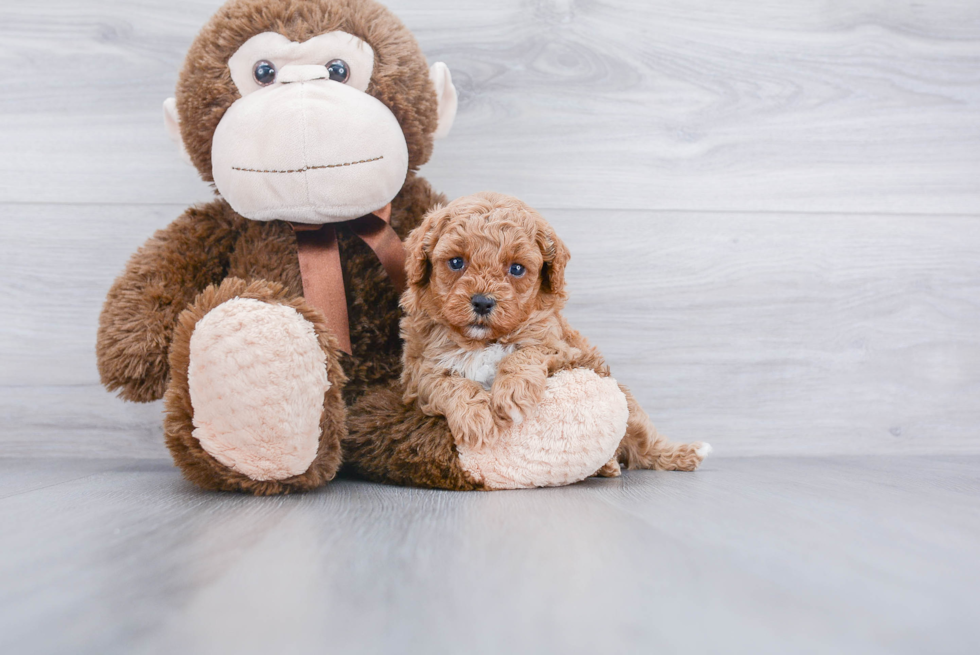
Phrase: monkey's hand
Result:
[160,281]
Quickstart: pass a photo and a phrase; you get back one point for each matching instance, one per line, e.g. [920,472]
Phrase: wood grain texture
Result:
[869,106]
[795,334]
[753,555]
[792,267]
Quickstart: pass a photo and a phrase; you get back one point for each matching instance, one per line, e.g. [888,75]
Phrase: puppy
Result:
[483,329]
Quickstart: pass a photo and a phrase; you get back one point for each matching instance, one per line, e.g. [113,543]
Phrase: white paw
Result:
[704,450]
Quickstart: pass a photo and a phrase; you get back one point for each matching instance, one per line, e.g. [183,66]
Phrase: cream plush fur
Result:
[257,377]
[274,158]
[575,430]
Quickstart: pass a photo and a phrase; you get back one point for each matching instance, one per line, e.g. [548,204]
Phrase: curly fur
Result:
[490,232]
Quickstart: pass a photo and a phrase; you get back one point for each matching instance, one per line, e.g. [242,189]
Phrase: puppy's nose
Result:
[482,305]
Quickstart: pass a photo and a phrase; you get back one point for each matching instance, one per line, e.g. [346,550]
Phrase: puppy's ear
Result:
[418,250]
[556,257]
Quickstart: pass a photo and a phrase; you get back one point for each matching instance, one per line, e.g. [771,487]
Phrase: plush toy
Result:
[268,318]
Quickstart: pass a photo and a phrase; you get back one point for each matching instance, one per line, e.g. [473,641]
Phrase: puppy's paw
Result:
[514,398]
[610,469]
[473,424]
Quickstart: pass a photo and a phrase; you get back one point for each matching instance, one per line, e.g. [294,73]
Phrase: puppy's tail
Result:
[645,448]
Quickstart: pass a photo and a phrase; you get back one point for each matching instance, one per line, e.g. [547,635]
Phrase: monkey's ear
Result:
[171,121]
[442,79]
[556,256]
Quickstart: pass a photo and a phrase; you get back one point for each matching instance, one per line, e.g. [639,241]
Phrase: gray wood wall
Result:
[773,207]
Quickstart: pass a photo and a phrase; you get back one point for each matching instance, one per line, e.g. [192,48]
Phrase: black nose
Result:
[482,305]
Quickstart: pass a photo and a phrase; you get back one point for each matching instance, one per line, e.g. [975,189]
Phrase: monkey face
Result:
[311,111]
[305,142]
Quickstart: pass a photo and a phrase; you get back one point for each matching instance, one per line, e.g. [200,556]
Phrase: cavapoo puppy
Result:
[483,329]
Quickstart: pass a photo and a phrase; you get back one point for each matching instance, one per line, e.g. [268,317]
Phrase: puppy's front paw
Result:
[513,398]
[472,424]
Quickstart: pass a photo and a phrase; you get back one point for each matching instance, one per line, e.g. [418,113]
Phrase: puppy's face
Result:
[483,266]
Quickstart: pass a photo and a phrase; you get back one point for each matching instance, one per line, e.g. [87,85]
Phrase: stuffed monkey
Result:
[268,318]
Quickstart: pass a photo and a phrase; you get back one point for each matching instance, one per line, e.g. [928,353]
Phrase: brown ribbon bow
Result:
[323,278]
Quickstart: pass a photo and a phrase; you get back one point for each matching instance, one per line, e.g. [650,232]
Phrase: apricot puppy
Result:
[483,329]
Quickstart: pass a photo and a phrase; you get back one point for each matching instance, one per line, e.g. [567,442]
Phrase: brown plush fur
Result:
[211,242]
[490,232]
[139,353]
[393,442]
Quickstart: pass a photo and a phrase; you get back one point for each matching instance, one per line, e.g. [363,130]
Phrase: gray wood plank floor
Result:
[748,555]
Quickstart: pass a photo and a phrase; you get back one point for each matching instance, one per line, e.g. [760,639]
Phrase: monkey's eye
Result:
[457,263]
[339,70]
[517,270]
[264,72]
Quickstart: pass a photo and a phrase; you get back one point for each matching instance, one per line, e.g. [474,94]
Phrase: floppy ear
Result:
[418,248]
[556,257]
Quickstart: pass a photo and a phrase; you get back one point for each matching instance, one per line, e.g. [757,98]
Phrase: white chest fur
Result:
[477,365]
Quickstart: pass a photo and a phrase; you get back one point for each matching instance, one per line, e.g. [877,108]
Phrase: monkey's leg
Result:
[254,400]
[645,448]
[394,442]
[575,429]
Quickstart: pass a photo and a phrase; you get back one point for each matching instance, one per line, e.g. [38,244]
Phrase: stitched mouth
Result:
[307,168]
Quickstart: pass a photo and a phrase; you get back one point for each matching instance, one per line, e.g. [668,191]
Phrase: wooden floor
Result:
[748,555]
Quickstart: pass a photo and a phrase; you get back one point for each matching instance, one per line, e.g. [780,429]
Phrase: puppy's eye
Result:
[517,270]
[339,70]
[264,72]
[457,263]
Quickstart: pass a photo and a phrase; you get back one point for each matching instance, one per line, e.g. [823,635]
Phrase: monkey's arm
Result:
[159,281]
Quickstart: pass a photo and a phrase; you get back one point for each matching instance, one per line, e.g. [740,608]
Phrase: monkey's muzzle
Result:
[308,151]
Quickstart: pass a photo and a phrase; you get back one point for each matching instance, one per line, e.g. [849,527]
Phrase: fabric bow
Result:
[323,277]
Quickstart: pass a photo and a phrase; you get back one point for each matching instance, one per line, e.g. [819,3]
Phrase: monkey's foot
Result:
[252,405]
[576,430]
